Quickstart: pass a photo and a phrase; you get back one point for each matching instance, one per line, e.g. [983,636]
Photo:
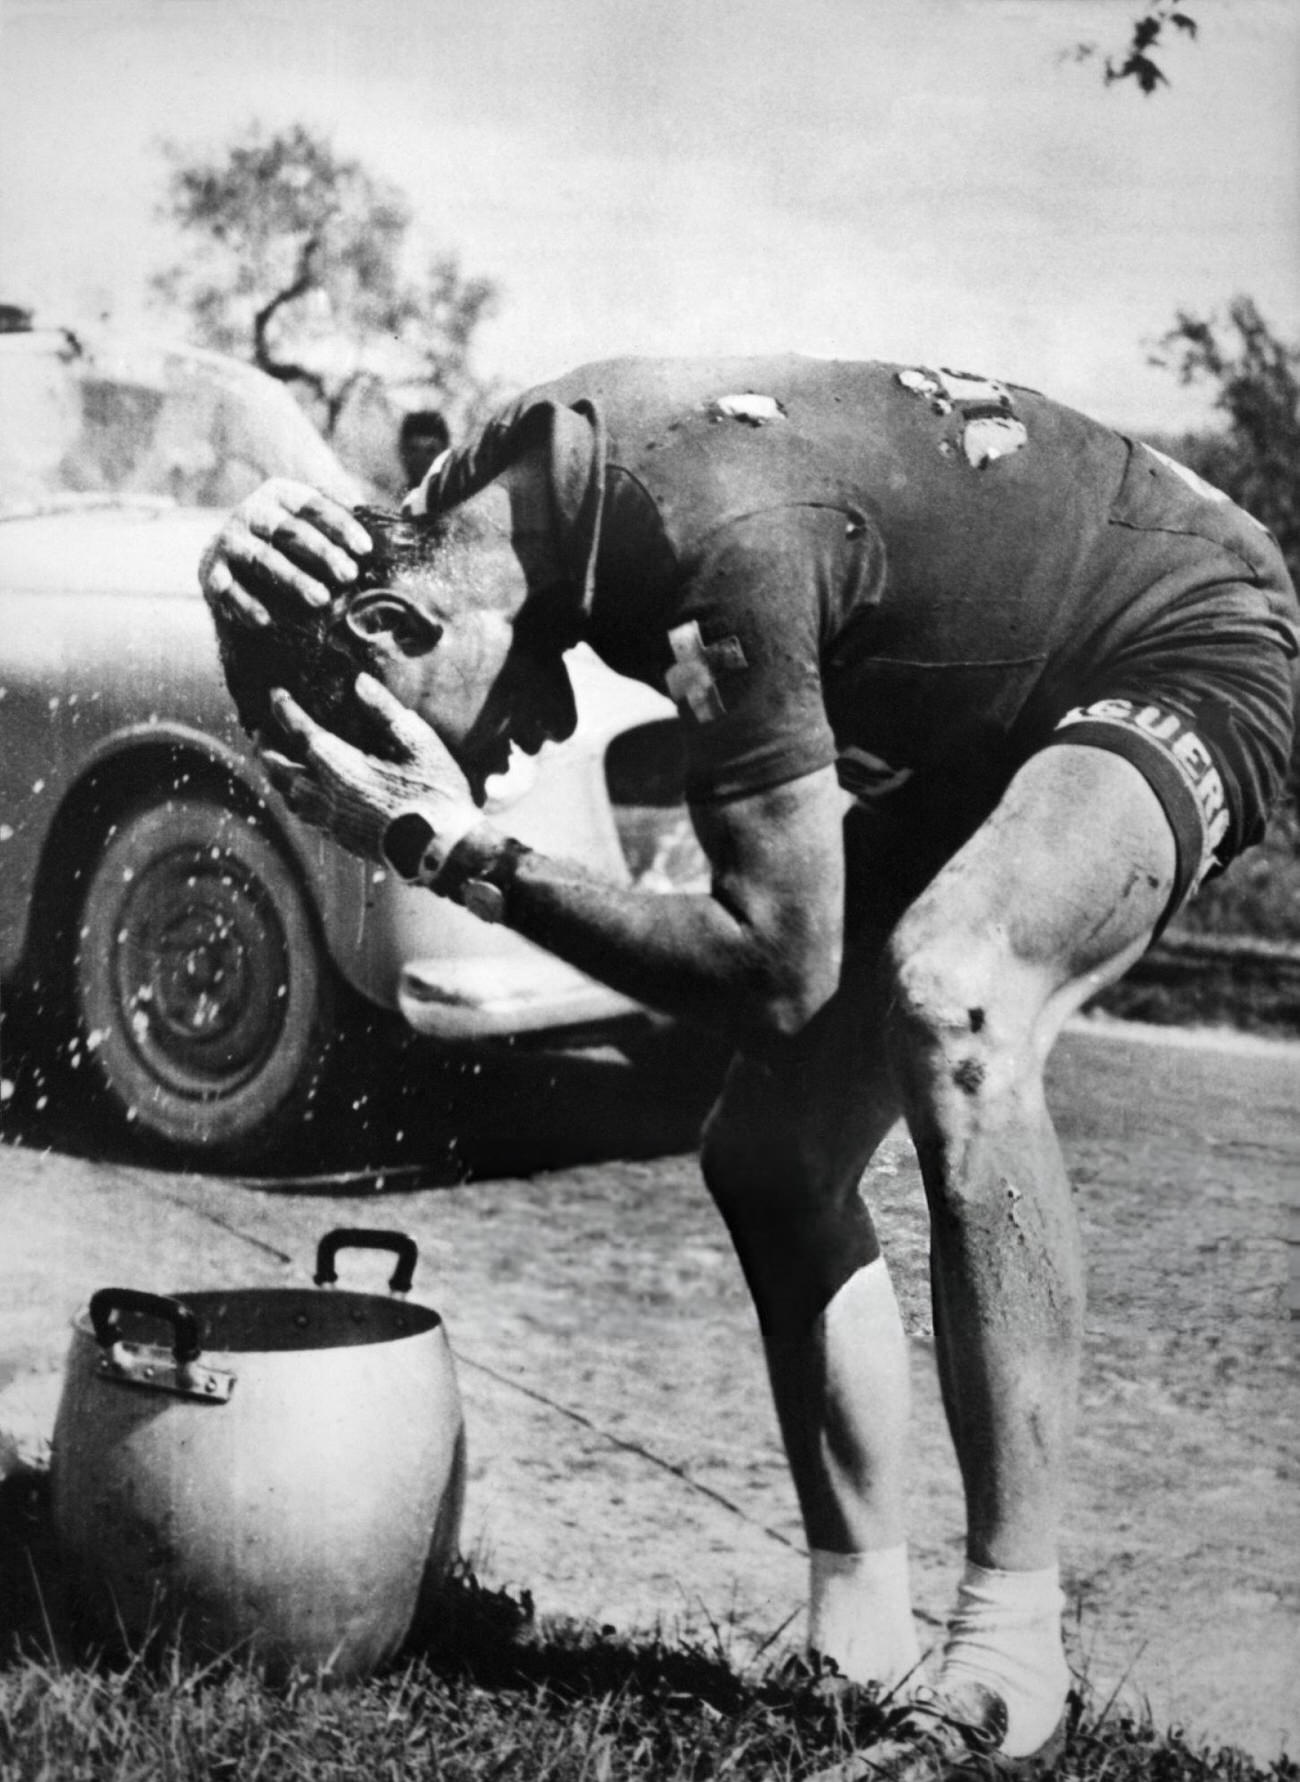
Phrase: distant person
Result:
[422,436]
[974,693]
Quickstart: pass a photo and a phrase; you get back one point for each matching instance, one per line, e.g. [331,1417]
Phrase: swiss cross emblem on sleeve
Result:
[692,679]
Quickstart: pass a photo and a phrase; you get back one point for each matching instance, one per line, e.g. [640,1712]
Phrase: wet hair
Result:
[310,651]
[437,561]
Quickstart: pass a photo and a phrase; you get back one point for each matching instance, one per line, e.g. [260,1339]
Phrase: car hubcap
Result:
[201,971]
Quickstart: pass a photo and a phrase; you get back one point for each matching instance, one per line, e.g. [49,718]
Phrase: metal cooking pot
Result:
[283,1478]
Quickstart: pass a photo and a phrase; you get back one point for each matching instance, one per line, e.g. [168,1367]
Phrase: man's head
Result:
[441,613]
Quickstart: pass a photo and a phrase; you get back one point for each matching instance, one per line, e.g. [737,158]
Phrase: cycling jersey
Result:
[898,569]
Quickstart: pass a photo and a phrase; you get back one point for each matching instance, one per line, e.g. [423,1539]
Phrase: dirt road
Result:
[624,1460]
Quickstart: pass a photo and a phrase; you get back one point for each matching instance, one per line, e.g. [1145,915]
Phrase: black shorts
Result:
[1203,707]
[1216,771]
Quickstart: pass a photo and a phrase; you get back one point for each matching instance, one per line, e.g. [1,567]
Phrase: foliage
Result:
[1137,61]
[1256,375]
[296,260]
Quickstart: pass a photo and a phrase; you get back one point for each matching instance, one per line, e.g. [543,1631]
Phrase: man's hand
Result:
[285,539]
[355,796]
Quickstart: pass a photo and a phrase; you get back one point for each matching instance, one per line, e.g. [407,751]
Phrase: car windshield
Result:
[81,425]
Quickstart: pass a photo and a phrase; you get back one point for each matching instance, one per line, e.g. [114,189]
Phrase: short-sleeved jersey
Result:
[889,566]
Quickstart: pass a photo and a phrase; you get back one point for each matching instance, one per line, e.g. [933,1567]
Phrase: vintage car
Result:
[192,940]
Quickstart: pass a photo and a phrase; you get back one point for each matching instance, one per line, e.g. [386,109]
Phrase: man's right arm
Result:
[754,957]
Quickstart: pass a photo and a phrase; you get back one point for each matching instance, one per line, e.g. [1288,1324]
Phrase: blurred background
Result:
[407,209]
[952,180]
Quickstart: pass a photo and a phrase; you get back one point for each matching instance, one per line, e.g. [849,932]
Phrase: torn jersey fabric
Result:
[907,565]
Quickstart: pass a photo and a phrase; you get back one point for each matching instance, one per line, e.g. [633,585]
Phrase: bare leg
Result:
[1053,897]
[783,1156]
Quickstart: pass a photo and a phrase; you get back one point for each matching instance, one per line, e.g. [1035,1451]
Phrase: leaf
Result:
[1141,68]
[1149,76]
[1184,22]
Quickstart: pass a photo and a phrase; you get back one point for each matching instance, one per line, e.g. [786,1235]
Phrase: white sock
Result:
[860,1614]
[1006,1634]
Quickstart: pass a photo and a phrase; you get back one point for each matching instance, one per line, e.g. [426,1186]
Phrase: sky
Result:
[930,180]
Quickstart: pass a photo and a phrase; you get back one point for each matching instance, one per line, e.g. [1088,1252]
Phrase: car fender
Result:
[125,762]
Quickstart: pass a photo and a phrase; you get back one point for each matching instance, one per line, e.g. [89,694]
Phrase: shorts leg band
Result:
[1165,747]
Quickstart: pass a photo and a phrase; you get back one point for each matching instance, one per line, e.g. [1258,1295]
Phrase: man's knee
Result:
[965,1014]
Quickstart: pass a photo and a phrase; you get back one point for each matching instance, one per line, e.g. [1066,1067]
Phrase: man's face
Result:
[451,645]
[480,690]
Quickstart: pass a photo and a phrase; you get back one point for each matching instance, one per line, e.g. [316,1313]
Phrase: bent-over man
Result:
[974,693]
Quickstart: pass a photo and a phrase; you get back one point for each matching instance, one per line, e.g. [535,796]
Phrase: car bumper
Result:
[463,1000]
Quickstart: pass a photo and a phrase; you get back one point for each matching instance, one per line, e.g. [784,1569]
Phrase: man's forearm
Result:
[754,957]
[681,952]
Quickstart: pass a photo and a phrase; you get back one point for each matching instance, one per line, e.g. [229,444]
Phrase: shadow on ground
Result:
[495,1687]
[487,1638]
[399,1108]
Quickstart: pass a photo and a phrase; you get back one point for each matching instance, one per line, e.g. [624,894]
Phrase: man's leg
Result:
[783,1155]
[1052,898]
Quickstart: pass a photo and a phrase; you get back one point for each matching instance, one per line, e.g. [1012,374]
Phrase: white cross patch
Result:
[690,681]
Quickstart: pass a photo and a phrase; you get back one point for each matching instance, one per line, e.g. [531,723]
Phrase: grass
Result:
[490,1693]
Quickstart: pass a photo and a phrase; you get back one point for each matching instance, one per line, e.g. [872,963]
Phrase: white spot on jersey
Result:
[756,410]
[992,436]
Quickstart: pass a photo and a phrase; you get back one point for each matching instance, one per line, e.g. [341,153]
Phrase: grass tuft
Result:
[485,1692]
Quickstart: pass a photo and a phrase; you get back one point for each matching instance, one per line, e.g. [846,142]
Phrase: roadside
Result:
[625,1467]
[1193,978]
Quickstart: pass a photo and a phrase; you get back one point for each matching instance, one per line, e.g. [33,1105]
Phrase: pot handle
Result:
[403,1247]
[184,1324]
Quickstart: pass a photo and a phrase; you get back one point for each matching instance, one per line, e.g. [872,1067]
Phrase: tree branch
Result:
[285,370]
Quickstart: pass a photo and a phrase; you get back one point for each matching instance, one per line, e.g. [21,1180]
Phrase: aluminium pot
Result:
[276,1473]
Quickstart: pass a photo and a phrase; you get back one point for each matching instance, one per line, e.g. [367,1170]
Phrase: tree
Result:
[1137,60]
[298,264]
[1256,459]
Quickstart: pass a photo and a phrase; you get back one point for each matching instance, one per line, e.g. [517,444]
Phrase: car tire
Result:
[203,997]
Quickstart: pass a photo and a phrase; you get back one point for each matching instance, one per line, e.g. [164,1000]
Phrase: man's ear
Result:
[392,623]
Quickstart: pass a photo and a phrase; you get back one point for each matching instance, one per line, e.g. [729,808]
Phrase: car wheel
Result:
[203,998]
